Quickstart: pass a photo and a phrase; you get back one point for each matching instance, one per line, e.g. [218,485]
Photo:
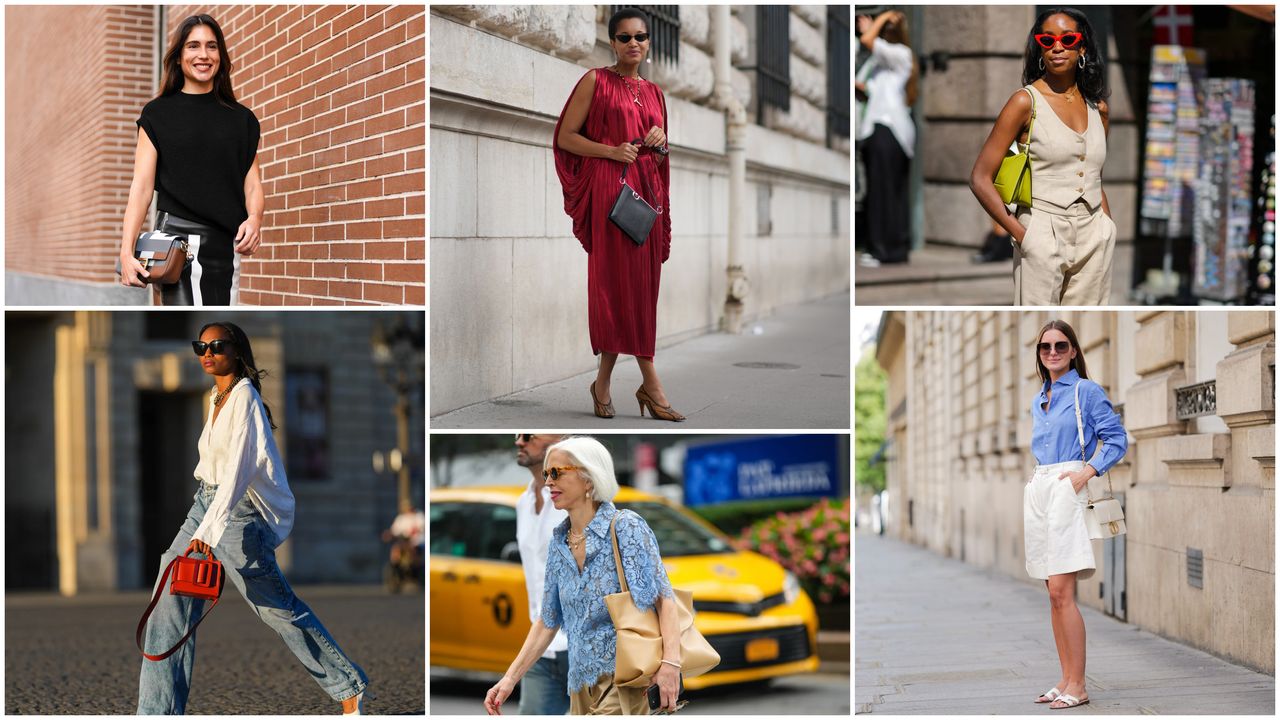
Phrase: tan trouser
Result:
[605,698]
[1065,257]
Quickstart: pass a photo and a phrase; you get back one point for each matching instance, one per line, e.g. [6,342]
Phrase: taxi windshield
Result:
[677,534]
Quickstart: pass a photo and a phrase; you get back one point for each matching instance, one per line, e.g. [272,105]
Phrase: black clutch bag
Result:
[631,213]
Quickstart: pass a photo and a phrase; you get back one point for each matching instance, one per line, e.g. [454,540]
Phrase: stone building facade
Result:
[1196,392]
[103,411]
[508,277]
[340,92]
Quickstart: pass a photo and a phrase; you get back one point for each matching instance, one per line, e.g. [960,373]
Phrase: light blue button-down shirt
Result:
[576,600]
[1053,436]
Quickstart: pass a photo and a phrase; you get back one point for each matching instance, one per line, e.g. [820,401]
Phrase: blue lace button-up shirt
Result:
[1054,439]
[576,600]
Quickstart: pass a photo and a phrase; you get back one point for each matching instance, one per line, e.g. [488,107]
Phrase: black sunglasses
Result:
[624,38]
[524,437]
[219,346]
[1061,347]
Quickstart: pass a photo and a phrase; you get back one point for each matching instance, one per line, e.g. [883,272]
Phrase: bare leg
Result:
[652,385]
[604,375]
[1060,640]
[1062,599]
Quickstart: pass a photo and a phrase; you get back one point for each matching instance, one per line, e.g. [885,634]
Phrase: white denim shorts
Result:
[1054,534]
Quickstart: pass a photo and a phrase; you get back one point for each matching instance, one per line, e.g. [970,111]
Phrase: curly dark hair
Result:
[1092,80]
[624,14]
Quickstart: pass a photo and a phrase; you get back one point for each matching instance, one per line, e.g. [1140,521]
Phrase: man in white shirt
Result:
[545,688]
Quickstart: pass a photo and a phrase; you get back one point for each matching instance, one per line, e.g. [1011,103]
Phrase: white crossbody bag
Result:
[1103,517]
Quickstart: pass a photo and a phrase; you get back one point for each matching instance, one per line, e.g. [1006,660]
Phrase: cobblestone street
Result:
[77,656]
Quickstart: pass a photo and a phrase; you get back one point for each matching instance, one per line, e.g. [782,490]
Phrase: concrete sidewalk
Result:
[943,275]
[791,374]
[938,636]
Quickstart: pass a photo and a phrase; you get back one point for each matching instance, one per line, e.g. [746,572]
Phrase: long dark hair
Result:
[173,77]
[244,353]
[1092,79]
[1077,363]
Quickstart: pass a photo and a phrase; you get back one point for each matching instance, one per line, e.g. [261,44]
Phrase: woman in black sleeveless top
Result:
[198,148]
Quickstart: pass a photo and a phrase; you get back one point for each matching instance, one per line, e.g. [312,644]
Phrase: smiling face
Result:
[633,52]
[1059,59]
[200,56]
[570,488]
[218,365]
[1054,361]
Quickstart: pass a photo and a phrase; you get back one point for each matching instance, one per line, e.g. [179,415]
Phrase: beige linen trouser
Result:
[605,698]
[1065,256]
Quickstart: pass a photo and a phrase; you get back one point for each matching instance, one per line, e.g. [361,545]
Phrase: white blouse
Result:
[238,454]
[886,74]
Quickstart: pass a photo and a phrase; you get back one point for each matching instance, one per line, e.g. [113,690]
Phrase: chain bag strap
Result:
[1103,517]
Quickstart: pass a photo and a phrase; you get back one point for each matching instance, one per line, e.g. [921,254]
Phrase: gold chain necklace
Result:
[575,540]
[221,395]
[635,90]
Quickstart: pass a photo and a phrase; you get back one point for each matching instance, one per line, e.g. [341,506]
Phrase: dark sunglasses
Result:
[554,473]
[1061,347]
[524,437]
[1069,40]
[640,37]
[219,347]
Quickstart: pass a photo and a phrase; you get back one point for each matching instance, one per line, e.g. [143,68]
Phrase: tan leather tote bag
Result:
[639,646]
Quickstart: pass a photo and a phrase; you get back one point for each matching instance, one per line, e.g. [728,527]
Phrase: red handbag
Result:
[194,578]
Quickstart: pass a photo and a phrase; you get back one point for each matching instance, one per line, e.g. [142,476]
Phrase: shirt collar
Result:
[1070,378]
[600,523]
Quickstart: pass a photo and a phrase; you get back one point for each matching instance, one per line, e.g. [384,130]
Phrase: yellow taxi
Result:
[750,609]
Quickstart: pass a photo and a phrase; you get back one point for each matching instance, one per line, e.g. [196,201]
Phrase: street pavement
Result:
[937,636]
[819,693]
[75,656]
[943,275]
[790,370]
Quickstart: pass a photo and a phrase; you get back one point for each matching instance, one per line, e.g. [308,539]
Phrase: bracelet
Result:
[672,663]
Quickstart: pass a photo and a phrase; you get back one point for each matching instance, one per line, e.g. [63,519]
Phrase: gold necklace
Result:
[221,395]
[635,91]
[1071,94]
[575,540]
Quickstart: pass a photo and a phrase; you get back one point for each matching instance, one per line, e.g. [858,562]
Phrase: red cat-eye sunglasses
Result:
[1069,40]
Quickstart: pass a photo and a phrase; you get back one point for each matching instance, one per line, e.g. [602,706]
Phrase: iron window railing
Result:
[1197,400]
[664,30]
[773,57]
[837,72]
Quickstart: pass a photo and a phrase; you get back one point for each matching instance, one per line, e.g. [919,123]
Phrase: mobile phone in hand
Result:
[655,695]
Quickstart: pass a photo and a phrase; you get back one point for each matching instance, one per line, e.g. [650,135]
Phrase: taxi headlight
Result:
[790,588]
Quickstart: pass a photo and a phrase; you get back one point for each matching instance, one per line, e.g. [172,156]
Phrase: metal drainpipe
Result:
[736,153]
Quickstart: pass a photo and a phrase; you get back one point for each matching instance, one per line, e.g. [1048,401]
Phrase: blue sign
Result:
[761,468]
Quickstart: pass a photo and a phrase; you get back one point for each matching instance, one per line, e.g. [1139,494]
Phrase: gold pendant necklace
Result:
[575,540]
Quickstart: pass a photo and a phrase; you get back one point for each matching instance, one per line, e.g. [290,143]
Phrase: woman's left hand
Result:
[655,138]
[668,681]
[249,236]
[1080,477]
[200,547]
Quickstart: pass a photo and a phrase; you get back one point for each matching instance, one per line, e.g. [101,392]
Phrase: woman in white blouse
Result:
[886,134]
[243,510]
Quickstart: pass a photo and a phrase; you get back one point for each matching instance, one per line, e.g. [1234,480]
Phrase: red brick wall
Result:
[341,95]
[75,79]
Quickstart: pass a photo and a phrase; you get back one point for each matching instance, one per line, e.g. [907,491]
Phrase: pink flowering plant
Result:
[813,544]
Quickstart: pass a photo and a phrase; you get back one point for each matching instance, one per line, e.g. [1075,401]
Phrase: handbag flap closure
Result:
[155,245]
[197,573]
[1108,510]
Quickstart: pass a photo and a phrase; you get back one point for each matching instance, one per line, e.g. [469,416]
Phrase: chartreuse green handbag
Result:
[1013,179]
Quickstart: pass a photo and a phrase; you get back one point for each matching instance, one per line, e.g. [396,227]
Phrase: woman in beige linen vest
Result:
[1064,243]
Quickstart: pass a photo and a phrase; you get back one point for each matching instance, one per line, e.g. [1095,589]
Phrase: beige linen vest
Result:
[1065,165]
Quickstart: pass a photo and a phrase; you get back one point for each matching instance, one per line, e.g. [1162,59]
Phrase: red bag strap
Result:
[142,624]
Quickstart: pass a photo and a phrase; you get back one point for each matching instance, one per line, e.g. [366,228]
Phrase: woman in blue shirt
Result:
[1058,549]
[580,573]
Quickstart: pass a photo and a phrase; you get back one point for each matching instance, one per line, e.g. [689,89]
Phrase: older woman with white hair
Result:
[580,573]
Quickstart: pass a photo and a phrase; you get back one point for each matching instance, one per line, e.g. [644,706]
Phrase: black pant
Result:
[214,261]
[885,207]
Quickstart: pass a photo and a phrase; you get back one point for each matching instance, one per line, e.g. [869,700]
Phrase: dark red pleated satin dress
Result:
[622,278]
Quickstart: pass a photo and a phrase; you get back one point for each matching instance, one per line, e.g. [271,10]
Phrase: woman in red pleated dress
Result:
[610,109]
